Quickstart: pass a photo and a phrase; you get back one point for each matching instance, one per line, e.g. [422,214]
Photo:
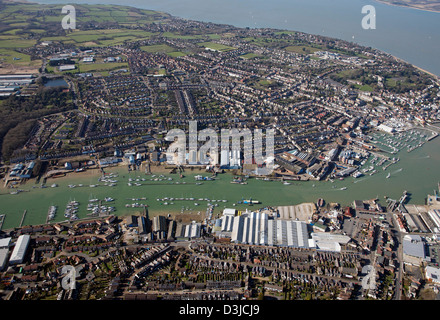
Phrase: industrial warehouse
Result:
[259,228]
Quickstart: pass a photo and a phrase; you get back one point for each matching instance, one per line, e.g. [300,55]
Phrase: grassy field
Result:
[250,55]
[102,37]
[302,49]
[25,27]
[98,67]
[17,61]
[14,43]
[158,48]
[364,87]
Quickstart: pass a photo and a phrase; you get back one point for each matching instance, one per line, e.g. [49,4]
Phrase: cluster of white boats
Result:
[108,179]
[411,140]
[72,206]
[51,213]
[136,204]
[136,181]
[371,170]
[71,210]
[212,202]
[96,207]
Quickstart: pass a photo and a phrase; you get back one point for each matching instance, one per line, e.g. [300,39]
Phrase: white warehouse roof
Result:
[20,248]
[330,237]
[230,212]
[4,243]
[258,229]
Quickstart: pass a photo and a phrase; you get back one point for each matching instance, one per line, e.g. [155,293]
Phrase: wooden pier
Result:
[22,218]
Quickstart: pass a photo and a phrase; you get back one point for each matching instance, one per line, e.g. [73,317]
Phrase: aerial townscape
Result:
[350,211]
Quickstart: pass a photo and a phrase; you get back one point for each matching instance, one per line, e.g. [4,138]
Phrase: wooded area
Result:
[18,112]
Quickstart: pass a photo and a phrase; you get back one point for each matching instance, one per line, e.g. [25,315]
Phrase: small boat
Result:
[343,188]
[54,185]
[388,175]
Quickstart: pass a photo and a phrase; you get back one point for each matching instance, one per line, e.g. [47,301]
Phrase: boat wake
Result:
[425,157]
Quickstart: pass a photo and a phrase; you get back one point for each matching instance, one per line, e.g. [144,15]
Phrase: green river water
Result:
[417,172]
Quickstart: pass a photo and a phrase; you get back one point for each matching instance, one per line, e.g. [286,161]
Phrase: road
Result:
[399,277]
[398,236]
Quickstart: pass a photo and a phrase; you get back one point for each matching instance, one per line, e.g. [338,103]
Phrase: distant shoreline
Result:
[407,6]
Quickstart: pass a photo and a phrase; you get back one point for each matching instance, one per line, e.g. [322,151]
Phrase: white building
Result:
[67,67]
[256,228]
[20,249]
[229,212]
[328,241]
[435,217]
[386,128]
[433,274]
[4,250]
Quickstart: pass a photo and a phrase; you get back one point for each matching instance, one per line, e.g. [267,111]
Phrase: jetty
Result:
[22,218]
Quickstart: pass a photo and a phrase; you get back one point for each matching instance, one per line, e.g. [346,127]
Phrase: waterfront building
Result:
[435,217]
[187,231]
[257,228]
[20,249]
[4,250]
[3,258]
[385,128]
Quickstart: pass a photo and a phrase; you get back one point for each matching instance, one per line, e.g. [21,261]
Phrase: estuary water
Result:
[409,34]
[417,172]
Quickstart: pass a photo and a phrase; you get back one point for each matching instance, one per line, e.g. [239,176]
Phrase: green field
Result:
[302,49]
[250,55]
[26,29]
[102,37]
[158,48]
[98,67]
[14,43]
[364,87]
